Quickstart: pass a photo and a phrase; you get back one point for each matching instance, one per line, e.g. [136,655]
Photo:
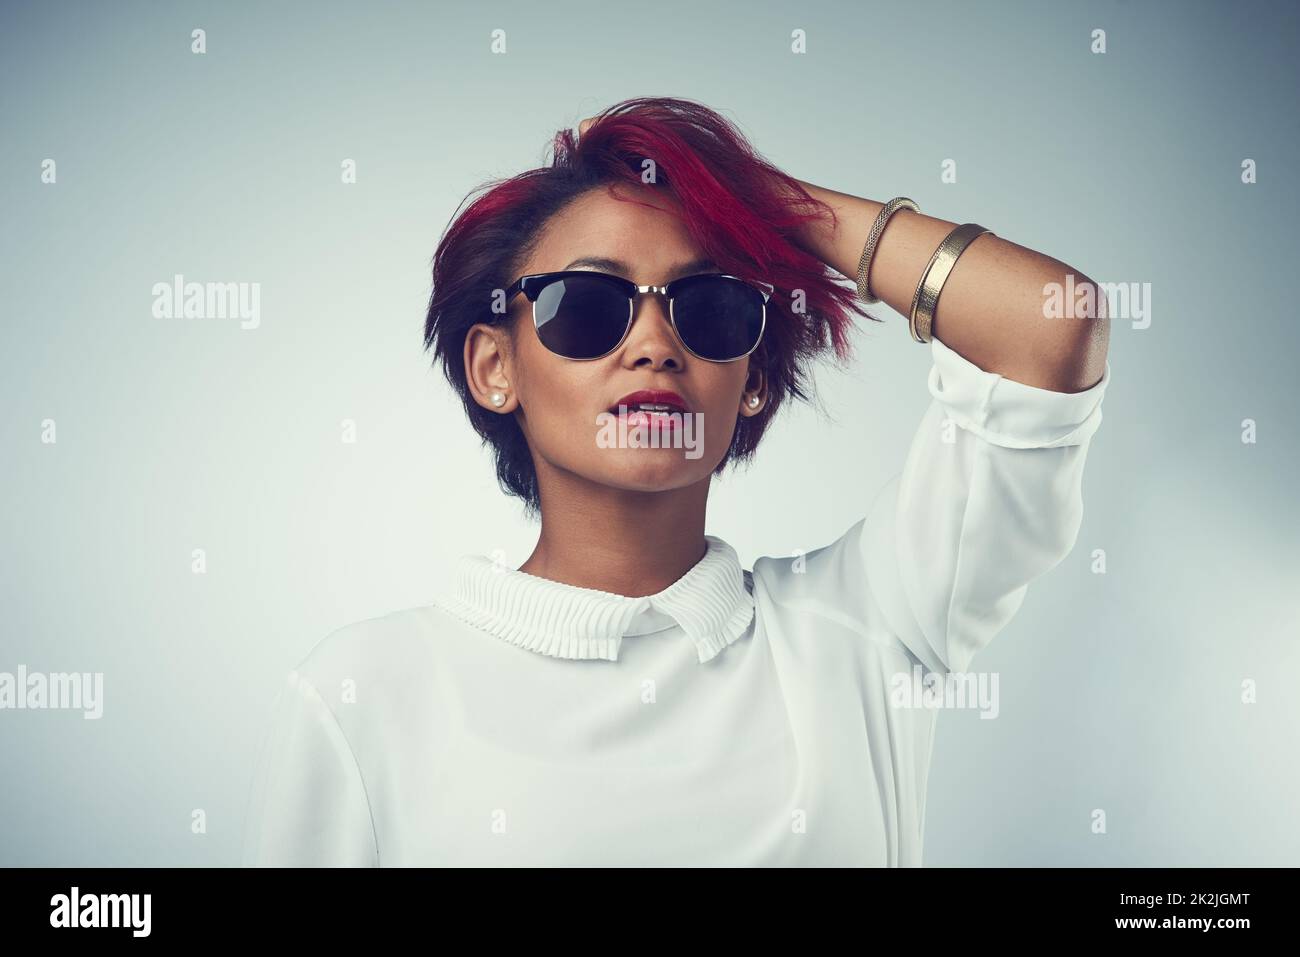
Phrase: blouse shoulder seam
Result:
[356,765]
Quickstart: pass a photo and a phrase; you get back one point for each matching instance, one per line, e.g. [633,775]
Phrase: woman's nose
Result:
[652,337]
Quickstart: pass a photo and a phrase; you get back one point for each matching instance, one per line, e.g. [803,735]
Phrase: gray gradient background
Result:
[1119,692]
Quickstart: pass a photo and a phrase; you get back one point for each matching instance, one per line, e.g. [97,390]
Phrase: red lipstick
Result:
[657,400]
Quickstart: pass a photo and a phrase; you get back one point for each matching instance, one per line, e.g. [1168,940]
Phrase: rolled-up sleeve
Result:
[307,804]
[989,498]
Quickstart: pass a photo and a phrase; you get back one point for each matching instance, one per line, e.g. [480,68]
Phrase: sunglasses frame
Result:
[532,285]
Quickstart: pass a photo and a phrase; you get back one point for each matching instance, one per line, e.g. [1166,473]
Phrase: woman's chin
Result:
[656,470]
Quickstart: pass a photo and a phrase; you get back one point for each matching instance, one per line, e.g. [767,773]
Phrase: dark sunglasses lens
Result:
[718,318]
[581,317]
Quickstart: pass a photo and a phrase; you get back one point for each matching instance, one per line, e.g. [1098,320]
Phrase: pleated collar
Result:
[710,602]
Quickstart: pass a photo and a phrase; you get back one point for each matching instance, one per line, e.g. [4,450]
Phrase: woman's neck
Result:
[617,541]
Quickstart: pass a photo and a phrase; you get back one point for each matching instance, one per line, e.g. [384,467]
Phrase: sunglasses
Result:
[583,314]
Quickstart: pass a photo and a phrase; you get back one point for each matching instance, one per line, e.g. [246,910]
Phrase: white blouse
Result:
[734,718]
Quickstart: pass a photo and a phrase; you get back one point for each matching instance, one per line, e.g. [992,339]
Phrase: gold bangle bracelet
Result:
[926,298]
[869,247]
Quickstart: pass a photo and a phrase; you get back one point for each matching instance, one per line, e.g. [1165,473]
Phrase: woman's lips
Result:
[651,409]
[639,418]
[669,401]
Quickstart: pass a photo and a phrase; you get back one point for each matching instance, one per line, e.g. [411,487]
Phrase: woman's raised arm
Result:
[992,307]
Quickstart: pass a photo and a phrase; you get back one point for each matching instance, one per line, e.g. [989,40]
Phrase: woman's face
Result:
[563,406]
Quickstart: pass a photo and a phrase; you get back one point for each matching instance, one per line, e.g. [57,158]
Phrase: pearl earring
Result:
[753,401]
[498,399]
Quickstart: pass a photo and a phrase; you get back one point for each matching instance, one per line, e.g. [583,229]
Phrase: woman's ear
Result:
[487,367]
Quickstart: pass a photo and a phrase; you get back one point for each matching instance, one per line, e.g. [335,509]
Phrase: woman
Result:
[631,694]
